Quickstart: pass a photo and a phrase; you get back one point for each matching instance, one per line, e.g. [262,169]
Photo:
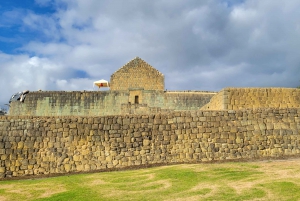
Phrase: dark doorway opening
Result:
[136,99]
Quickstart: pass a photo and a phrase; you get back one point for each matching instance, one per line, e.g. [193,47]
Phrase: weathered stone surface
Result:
[137,74]
[130,140]
[136,88]
[101,103]
[253,98]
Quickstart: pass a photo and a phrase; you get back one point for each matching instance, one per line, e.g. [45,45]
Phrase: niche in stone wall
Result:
[135,96]
[136,99]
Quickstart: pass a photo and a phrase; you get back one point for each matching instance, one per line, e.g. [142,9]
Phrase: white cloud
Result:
[46,25]
[204,45]
[19,73]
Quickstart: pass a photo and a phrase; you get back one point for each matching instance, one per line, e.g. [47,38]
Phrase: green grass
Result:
[284,189]
[272,180]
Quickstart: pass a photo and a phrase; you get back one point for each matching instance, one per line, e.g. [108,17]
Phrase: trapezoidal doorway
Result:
[136,100]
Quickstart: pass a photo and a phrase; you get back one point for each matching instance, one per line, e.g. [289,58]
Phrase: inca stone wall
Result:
[251,98]
[137,74]
[100,103]
[46,145]
[162,102]
[217,102]
[61,103]
[176,100]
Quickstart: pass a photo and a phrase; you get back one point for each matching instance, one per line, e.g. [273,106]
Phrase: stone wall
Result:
[62,103]
[44,145]
[178,100]
[252,98]
[100,103]
[137,74]
[217,102]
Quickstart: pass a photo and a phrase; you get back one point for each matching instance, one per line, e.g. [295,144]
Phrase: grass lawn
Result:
[262,180]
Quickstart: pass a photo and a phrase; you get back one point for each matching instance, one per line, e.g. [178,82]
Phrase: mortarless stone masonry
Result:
[31,145]
[138,123]
[137,74]
[253,98]
[135,88]
[100,103]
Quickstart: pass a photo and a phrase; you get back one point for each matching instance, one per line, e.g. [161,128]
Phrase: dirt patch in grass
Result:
[269,171]
[30,191]
[281,168]
[203,190]
[49,193]
[259,180]
[2,198]
[96,182]
[164,184]
[239,187]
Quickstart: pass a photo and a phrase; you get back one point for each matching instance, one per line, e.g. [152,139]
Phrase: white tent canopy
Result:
[101,83]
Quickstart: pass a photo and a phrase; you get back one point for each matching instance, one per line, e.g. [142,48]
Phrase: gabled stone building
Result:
[137,75]
[136,88]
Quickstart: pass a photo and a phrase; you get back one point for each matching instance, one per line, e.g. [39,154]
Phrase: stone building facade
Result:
[137,75]
[137,123]
[136,88]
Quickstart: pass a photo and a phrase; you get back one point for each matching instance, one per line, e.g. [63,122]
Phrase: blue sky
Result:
[13,34]
[197,45]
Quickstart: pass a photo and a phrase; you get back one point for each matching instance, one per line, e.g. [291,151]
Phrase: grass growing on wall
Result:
[265,180]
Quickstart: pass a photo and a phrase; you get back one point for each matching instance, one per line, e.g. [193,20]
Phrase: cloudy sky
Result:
[197,45]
